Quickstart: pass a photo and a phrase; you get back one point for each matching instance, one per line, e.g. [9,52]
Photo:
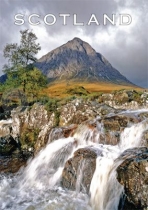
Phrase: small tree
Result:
[36,81]
[23,54]
[19,69]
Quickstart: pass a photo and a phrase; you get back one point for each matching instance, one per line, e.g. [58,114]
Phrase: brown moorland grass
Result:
[59,90]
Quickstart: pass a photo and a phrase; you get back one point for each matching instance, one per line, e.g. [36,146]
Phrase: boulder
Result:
[133,175]
[78,170]
[113,125]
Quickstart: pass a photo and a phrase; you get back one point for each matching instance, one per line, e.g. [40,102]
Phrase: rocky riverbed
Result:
[98,150]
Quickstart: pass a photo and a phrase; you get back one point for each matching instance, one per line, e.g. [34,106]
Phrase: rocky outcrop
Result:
[125,99]
[30,125]
[35,121]
[35,125]
[78,170]
[32,117]
[79,110]
[133,175]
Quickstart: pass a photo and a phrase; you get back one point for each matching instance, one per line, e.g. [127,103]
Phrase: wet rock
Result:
[11,164]
[133,175]
[113,125]
[62,132]
[143,115]
[145,139]
[82,163]
[7,145]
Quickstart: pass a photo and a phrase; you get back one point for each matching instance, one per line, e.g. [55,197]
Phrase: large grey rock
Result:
[78,170]
[133,175]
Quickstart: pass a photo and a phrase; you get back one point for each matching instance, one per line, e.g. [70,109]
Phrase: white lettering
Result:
[125,19]
[64,18]
[51,23]
[112,21]
[93,19]
[19,19]
[75,21]
[30,21]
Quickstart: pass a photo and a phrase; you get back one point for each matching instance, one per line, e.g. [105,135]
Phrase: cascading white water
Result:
[46,168]
[131,137]
[105,174]
[37,187]
[105,190]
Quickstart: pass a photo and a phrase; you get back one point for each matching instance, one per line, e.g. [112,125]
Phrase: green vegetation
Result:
[21,74]
[29,136]
[51,105]
[78,91]
[57,118]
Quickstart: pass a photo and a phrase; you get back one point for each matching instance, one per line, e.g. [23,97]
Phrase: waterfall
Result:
[131,137]
[105,174]
[37,186]
[105,189]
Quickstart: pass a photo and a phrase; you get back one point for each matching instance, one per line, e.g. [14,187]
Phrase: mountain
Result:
[78,61]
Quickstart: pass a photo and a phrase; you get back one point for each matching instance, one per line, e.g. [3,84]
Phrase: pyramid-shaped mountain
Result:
[78,61]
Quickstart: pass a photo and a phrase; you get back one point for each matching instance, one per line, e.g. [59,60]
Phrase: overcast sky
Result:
[125,47]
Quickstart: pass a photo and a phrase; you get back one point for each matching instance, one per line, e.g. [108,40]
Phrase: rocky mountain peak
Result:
[77,60]
[80,45]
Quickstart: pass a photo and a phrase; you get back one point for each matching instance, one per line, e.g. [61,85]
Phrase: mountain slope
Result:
[78,61]
[3,78]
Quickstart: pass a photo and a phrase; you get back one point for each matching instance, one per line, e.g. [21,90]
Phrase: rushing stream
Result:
[37,186]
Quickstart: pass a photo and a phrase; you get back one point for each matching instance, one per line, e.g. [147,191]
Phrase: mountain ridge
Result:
[76,60]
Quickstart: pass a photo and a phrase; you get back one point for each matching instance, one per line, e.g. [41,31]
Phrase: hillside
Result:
[64,89]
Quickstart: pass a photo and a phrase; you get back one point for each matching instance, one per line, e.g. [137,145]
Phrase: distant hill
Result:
[78,61]
[3,78]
